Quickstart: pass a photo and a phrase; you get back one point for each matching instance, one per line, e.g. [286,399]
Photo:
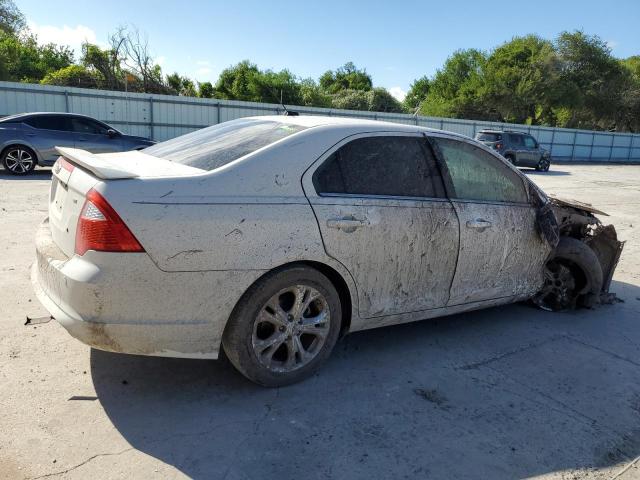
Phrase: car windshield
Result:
[489,137]
[216,146]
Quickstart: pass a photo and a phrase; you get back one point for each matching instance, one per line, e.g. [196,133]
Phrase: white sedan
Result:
[270,237]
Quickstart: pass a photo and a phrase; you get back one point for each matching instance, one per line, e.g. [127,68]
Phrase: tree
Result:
[105,62]
[522,81]
[22,59]
[374,100]
[205,90]
[131,48]
[312,95]
[73,76]
[458,89]
[598,79]
[417,93]
[346,77]
[11,18]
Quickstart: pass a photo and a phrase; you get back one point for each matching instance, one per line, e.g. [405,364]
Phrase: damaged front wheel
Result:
[572,277]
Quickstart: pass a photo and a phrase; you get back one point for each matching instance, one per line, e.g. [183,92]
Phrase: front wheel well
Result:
[21,145]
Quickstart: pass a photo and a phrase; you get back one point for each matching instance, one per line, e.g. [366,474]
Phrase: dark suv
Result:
[28,139]
[519,148]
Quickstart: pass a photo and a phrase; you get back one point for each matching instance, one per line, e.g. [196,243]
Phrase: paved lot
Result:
[510,392]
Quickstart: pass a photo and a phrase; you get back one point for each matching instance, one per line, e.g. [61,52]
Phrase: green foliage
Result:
[346,77]
[458,89]
[417,93]
[11,18]
[73,76]
[374,100]
[22,59]
[313,95]
[106,63]
[205,90]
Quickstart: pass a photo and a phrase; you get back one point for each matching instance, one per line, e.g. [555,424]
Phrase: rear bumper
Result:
[124,303]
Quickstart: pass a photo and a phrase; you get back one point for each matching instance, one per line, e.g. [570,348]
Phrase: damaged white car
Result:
[270,237]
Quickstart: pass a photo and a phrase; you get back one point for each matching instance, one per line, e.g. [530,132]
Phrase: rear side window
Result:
[391,166]
[478,175]
[489,137]
[84,125]
[516,140]
[216,146]
[529,142]
[49,122]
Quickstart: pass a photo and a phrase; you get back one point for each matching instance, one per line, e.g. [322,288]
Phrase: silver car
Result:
[29,139]
[270,237]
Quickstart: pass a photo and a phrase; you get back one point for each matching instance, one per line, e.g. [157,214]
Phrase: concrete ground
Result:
[509,392]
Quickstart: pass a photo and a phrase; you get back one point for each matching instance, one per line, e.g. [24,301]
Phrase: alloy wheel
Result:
[559,290]
[19,161]
[291,328]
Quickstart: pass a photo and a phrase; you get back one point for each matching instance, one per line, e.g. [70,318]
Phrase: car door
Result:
[501,253]
[533,153]
[383,214]
[517,145]
[45,132]
[93,137]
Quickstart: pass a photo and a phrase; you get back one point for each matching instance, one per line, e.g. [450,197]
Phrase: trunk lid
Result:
[78,171]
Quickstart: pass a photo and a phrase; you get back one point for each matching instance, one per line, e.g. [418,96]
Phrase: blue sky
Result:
[396,42]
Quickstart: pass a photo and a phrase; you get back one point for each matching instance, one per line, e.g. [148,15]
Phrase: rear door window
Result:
[489,137]
[516,140]
[529,142]
[49,122]
[85,125]
[478,175]
[381,165]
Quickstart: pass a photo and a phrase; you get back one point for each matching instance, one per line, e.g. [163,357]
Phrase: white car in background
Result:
[270,237]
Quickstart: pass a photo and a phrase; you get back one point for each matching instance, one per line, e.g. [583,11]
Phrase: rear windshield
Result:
[215,146]
[489,137]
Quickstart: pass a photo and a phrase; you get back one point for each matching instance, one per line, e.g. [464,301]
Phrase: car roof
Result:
[19,116]
[363,124]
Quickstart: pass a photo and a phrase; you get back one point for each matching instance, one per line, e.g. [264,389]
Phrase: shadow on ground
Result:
[550,173]
[502,393]
[37,174]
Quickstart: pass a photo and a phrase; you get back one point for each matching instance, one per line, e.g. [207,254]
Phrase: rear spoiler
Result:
[97,165]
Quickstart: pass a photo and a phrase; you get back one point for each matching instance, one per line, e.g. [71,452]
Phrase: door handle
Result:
[478,224]
[347,224]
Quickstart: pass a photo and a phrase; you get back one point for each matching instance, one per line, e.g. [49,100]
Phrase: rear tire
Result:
[284,326]
[19,160]
[511,159]
[573,277]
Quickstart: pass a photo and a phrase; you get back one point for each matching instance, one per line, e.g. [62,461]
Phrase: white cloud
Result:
[612,44]
[398,93]
[203,63]
[73,37]
[161,60]
[203,71]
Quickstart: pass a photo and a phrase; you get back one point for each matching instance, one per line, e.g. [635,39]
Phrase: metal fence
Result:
[161,117]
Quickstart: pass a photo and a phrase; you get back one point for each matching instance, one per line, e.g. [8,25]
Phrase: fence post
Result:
[442,124]
[151,118]
[218,112]
[66,101]
[553,137]
[631,138]
[593,137]
[573,146]
[613,140]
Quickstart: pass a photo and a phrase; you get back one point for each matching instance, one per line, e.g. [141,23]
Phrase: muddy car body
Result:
[273,236]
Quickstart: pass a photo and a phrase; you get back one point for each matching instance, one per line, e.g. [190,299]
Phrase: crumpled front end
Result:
[578,220]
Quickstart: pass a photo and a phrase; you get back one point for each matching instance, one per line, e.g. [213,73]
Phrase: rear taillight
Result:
[66,164]
[498,146]
[100,228]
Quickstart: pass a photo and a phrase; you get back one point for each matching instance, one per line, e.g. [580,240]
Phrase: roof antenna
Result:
[287,113]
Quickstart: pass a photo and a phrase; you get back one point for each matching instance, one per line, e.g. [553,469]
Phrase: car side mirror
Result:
[112,133]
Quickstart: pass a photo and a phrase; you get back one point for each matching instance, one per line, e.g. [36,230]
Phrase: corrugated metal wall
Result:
[162,117]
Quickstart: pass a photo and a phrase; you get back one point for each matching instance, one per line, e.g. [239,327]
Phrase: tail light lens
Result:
[100,228]
[498,146]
